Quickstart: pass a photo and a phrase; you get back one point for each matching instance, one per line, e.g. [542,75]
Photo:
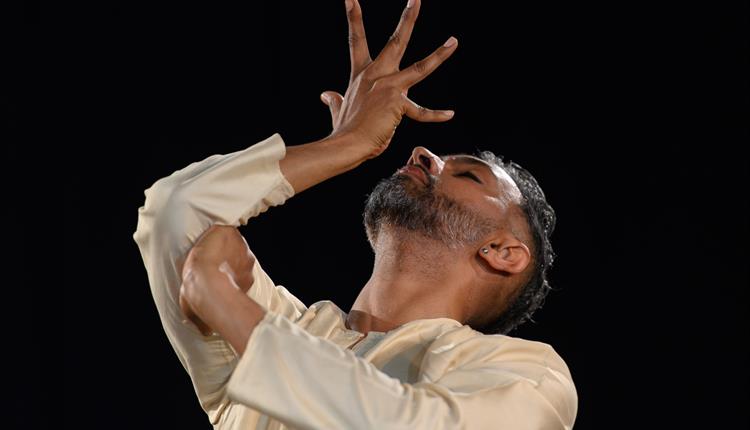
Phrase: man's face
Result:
[455,199]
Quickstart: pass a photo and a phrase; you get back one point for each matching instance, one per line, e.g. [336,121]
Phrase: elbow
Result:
[222,249]
[162,210]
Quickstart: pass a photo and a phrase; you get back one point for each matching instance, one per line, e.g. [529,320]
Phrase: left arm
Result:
[310,382]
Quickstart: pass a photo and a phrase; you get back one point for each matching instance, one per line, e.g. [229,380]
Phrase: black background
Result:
[631,115]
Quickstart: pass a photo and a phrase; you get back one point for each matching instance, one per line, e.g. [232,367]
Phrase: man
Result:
[461,245]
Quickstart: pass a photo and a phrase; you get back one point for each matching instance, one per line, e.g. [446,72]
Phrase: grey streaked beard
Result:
[423,211]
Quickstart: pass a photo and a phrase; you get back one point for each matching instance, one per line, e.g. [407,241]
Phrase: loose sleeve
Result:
[308,382]
[224,189]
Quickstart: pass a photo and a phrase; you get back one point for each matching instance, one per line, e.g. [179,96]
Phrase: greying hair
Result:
[541,220]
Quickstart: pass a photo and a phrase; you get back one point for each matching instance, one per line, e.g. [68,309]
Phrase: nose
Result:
[421,156]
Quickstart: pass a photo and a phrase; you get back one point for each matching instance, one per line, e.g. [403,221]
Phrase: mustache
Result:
[400,180]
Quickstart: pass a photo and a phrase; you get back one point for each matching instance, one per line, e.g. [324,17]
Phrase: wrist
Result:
[311,163]
[350,147]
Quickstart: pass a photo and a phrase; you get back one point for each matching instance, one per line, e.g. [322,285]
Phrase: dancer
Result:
[461,246]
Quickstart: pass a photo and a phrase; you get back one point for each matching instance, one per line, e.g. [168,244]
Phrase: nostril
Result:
[425,160]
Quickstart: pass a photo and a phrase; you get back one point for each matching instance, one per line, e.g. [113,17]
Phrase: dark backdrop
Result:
[631,115]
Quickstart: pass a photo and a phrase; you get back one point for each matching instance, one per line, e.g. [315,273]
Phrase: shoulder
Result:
[473,363]
[466,348]
[503,348]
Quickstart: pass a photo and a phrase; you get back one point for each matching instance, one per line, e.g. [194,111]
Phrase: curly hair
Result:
[541,219]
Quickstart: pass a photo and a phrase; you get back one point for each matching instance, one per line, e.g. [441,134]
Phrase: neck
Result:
[413,278]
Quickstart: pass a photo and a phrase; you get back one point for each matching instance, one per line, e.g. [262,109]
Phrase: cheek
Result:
[459,189]
[468,198]
[496,204]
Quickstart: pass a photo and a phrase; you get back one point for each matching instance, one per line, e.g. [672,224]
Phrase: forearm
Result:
[309,164]
[217,299]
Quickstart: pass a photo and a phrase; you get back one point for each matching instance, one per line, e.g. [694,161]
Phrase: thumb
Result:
[334,101]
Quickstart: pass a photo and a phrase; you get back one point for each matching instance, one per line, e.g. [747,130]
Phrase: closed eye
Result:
[471,175]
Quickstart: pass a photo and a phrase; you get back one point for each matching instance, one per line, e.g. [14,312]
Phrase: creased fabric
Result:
[298,371]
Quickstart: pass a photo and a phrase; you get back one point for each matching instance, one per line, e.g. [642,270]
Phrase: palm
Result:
[376,98]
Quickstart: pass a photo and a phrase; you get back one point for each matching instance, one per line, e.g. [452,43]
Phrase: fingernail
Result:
[448,113]
[348,4]
[450,42]
[409,3]
[325,98]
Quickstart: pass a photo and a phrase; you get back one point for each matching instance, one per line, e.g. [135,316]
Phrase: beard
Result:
[400,202]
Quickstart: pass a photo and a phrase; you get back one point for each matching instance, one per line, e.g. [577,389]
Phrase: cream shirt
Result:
[302,367]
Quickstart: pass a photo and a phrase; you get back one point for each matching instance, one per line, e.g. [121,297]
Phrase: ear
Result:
[506,253]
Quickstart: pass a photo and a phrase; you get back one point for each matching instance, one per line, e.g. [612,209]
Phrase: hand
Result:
[191,316]
[220,248]
[376,98]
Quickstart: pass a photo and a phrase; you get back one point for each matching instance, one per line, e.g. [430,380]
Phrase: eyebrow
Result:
[468,159]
